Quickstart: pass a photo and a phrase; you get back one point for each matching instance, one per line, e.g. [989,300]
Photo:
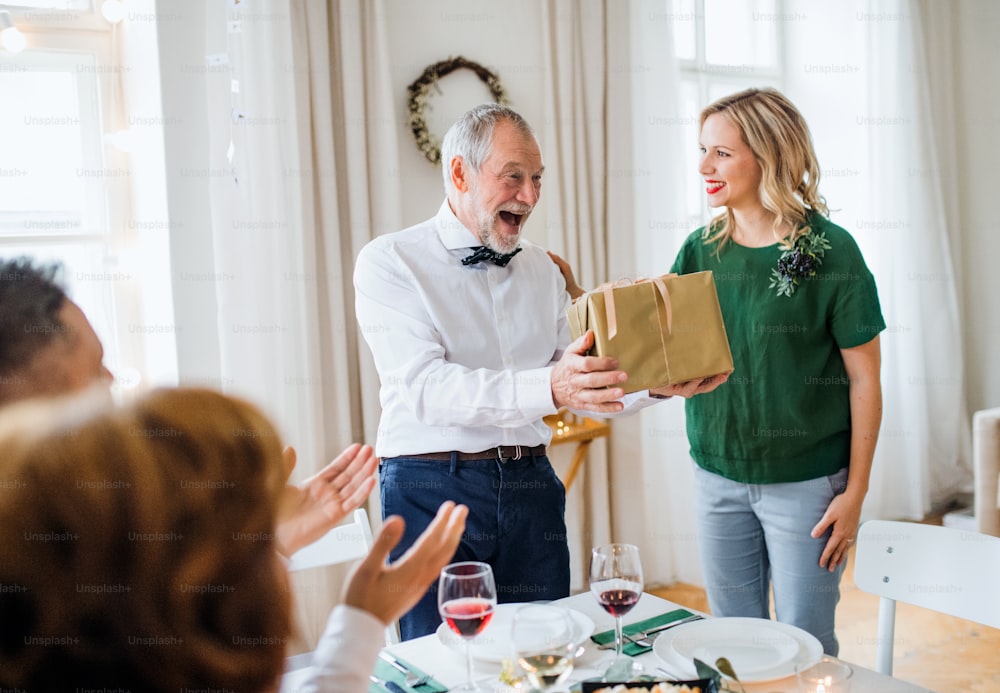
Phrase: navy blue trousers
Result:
[516,524]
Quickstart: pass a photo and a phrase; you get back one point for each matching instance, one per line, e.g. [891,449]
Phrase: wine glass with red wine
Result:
[616,581]
[467,595]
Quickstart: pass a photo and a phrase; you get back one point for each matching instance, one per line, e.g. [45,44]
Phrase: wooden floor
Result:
[942,653]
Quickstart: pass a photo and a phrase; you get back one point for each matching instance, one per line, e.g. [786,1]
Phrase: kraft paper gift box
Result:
[663,331]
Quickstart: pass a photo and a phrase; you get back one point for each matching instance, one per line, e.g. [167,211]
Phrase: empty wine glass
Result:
[544,639]
[467,595]
[616,581]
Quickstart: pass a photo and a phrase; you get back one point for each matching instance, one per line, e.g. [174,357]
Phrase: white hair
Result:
[471,137]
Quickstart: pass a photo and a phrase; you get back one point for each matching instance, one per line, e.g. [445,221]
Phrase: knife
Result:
[390,686]
[656,629]
[393,661]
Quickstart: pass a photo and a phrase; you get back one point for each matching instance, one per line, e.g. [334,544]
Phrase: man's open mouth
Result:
[511,218]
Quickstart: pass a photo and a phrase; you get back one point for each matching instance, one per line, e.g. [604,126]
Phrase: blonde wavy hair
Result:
[137,545]
[779,138]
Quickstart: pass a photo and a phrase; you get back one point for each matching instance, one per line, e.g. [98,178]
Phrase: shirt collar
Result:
[452,232]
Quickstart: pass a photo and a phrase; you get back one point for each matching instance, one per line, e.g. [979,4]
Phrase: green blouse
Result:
[784,414]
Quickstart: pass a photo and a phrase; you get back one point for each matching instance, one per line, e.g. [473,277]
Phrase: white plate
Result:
[758,649]
[494,643]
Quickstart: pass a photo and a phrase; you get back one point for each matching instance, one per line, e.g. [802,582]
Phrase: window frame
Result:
[703,76]
[113,302]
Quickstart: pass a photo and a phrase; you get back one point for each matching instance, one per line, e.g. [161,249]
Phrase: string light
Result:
[11,37]
[113,10]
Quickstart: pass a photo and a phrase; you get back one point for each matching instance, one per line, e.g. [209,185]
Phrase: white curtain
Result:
[651,470]
[347,137]
[886,150]
[873,80]
[610,141]
[572,138]
[294,169]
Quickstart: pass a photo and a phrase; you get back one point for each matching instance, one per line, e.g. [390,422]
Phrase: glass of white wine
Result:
[544,638]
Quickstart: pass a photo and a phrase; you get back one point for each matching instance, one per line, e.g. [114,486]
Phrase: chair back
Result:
[939,568]
[345,542]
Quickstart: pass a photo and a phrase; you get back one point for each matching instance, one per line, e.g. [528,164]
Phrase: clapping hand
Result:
[309,510]
[389,591]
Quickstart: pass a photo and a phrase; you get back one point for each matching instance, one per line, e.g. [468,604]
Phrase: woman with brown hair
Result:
[137,546]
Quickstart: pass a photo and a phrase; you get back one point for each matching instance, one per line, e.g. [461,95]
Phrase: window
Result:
[722,47]
[51,4]
[52,108]
[66,179]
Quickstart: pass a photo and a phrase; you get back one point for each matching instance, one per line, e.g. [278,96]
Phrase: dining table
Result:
[447,664]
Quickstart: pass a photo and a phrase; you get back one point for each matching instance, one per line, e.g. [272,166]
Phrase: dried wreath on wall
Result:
[419,93]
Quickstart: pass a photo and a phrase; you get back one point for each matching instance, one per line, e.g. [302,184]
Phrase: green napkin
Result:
[387,672]
[631,649]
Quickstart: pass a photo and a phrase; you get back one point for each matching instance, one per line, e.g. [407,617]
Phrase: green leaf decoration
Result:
[706,672]
[726,668]
[801,260]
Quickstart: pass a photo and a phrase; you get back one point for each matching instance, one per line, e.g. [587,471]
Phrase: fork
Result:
[638,639]
[645,638]
[412,680]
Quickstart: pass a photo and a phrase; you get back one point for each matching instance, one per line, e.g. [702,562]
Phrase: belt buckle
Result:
[500,454]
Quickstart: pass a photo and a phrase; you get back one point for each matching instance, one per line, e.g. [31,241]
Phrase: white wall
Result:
[506,38]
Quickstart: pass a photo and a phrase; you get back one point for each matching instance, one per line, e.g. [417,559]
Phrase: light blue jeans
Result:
[753,535]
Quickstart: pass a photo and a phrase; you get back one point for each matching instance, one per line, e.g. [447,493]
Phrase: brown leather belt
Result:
[501,453]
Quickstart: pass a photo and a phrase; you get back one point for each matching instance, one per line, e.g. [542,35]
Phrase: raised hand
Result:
[389,591]
[310,509]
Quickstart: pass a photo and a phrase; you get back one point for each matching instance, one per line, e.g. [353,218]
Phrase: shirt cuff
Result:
[534,392]
[347,651]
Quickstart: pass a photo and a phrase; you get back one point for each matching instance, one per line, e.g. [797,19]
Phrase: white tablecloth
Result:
[448,666]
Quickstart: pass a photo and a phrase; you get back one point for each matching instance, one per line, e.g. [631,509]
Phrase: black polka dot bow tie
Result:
[481,252]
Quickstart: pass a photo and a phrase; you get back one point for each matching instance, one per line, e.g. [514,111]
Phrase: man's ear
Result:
[459,174]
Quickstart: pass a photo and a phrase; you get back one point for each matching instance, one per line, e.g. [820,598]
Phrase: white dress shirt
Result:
[346,653]
[464,353]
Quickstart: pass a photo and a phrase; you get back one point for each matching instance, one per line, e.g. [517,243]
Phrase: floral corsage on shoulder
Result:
[798,262]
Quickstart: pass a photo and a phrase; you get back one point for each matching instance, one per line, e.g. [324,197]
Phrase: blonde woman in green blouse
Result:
[784,449]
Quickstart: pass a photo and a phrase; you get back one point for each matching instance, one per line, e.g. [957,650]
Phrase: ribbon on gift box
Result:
[670,332]
[608,289]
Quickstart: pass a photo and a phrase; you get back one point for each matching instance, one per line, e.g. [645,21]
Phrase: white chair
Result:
[938,568]
[349,541]
[345,542]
